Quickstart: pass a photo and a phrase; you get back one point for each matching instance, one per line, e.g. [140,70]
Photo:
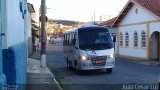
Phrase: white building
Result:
[31,11]
[13,47]
[138,27]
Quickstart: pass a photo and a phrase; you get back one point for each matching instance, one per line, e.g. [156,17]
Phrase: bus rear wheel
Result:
[68,65]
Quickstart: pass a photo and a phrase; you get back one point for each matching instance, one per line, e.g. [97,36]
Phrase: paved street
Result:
[125,73]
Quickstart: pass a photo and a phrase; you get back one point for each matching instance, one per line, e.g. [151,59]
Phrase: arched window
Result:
[143,39]
[121,39]
[126,39]
[135,39]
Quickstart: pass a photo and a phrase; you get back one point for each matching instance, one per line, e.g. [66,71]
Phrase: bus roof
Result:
[76,29]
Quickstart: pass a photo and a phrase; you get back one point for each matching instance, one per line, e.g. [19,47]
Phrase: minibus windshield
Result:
[95,38]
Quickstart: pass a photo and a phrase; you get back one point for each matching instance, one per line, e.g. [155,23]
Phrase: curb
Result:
[59,87]
[140,62]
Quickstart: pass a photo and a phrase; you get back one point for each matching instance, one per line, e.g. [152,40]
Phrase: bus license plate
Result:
[99,61]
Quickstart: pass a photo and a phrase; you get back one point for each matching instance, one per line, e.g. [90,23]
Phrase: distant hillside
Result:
[66,22]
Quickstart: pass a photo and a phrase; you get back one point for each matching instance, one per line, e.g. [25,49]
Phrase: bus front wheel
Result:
[109,70]
[76,68]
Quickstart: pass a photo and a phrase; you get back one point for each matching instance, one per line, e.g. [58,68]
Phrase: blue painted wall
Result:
[13,43]
[14,64]
[2,76]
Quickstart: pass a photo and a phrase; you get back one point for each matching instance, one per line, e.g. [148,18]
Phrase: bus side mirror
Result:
[114,39]
[74,41]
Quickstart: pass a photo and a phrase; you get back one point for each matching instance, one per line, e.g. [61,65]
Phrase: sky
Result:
[81,10]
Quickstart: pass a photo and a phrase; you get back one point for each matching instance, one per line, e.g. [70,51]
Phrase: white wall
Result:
[113,30]
[132,17]
[29,27]
[154,27]
[4,39]
[131,50]
[27,23]
[15,23]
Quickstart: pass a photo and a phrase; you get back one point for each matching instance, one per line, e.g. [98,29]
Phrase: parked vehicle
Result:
[55,40]
[89,48]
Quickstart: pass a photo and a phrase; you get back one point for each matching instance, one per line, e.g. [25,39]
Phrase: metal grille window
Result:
[126,39]
[143,39]
[121,39]
[135,39]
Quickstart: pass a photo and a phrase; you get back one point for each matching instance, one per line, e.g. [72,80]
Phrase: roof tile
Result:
[151,5]
[108,23]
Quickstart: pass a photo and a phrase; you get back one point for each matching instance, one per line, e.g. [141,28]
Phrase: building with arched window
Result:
[138,30]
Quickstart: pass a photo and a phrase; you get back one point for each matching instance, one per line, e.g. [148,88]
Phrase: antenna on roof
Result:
[118,11]
[94,15]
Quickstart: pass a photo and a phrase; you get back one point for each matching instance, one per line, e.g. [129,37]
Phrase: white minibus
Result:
[89,48]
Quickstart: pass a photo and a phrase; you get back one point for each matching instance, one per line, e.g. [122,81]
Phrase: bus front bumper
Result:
[88,65]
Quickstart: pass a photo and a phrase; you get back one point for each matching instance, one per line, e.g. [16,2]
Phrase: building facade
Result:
[31,10]
[2,76]
[138,27]
[14,44]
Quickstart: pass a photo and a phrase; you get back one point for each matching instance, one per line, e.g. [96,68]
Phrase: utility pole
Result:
[43,34]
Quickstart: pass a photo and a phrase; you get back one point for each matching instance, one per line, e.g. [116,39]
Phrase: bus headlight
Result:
[110,56]
[83,57]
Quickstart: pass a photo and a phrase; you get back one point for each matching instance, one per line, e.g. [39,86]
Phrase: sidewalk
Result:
[144,62]
[40,78]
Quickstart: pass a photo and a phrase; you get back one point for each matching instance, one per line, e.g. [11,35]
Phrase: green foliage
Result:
[65,22]
[34,34]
